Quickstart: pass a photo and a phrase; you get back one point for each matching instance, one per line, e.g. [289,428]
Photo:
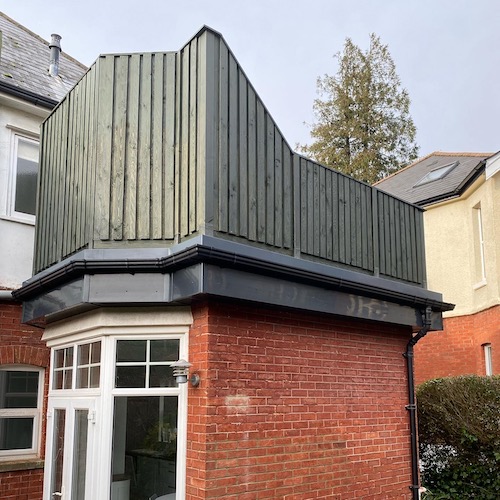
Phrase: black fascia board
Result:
[27,95]
[225,253]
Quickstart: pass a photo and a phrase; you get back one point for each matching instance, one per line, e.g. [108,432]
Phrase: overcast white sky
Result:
[447,52]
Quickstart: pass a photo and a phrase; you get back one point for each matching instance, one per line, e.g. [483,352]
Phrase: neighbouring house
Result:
[27,95]
[226,319]
[461,196]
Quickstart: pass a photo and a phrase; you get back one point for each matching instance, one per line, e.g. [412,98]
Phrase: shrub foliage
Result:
[459,437]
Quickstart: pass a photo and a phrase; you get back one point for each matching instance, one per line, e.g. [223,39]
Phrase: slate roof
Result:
[24,63]
[404,184]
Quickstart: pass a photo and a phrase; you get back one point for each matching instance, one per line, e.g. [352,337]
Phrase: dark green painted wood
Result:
[149,149]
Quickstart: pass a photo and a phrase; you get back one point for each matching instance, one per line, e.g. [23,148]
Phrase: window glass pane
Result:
[130,350]
[82,378]
[130,376]
[84,354]
[145,444]
[58,380]
[68,379]
[95,372]
[68,360]
[161,376]
[96,352]
[16,433]
[18,389]
[165,350]
[59,358]
[26,176]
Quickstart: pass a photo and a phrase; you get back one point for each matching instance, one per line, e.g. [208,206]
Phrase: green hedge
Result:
[459,437]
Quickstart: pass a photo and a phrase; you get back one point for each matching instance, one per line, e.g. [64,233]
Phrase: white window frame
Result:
[479,237]
[11,193]
[488,361]
[35,413]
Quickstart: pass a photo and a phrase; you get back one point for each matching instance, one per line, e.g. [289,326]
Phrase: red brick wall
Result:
[22,344]
[296,406]
[457,350]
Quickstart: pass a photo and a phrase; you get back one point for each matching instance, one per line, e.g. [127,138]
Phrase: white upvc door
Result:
[71,430]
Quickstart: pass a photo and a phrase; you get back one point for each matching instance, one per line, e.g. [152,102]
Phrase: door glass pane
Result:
[80,454]
[144,446]
[57,452]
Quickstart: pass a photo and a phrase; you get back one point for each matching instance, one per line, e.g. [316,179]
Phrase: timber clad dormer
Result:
[149,150]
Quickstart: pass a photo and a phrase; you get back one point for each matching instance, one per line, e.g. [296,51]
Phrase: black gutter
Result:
[26,95]
[77,267]
[412,405]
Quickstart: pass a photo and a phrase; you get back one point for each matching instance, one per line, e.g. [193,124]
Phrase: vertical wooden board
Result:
[69,177]
[334,196]
[170,210]
[192,202]
[144,156]
[393,243]
[364,226]
[132,152]
[178,145]
[358,227]
[328,215]
[49,169]
[209,66]
[61,216]
[303,166]
[234,183]
[404,241]
[342,222]
[223,202]
[118,151]
[397,238]
[278,189]
[204,121]
[39,256]
[252,165]
[79,143]
[270,181]
[321,236]
[157,125]
[91,156]
[348,210]
[288,195]
[243,154]
[261,172]
[82,151]
[315,209]
[389,245]
[370,228]
[310,207]
[413,244]
[378,232]
[104,141]
[409,248]
[422,278]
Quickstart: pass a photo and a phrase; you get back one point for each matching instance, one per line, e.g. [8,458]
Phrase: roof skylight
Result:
[437,173]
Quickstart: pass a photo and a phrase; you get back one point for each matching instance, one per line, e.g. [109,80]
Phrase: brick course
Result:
[457,350]
[296,406]
[22,344]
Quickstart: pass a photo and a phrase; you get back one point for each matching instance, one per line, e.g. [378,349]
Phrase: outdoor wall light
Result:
[181,371]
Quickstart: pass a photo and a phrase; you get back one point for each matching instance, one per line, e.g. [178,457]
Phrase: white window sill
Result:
[20,220]
[479,285]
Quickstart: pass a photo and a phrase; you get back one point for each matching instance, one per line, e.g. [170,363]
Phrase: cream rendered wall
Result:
[16,238]
[450,249]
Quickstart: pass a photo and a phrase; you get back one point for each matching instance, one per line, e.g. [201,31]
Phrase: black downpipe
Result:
[412,405]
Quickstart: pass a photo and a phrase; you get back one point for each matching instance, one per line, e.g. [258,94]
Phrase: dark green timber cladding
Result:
[151,149]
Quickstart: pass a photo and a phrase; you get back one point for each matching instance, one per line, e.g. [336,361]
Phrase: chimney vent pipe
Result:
[55,51]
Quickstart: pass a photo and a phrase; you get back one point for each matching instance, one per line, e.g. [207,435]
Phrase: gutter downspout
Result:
[412,406]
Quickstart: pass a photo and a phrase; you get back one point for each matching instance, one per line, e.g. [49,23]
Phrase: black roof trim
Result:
[225,253]
[27,95]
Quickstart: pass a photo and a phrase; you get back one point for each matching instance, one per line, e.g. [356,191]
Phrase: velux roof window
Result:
[437,173]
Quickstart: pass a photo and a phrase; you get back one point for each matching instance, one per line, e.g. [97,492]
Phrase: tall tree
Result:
[363,125]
